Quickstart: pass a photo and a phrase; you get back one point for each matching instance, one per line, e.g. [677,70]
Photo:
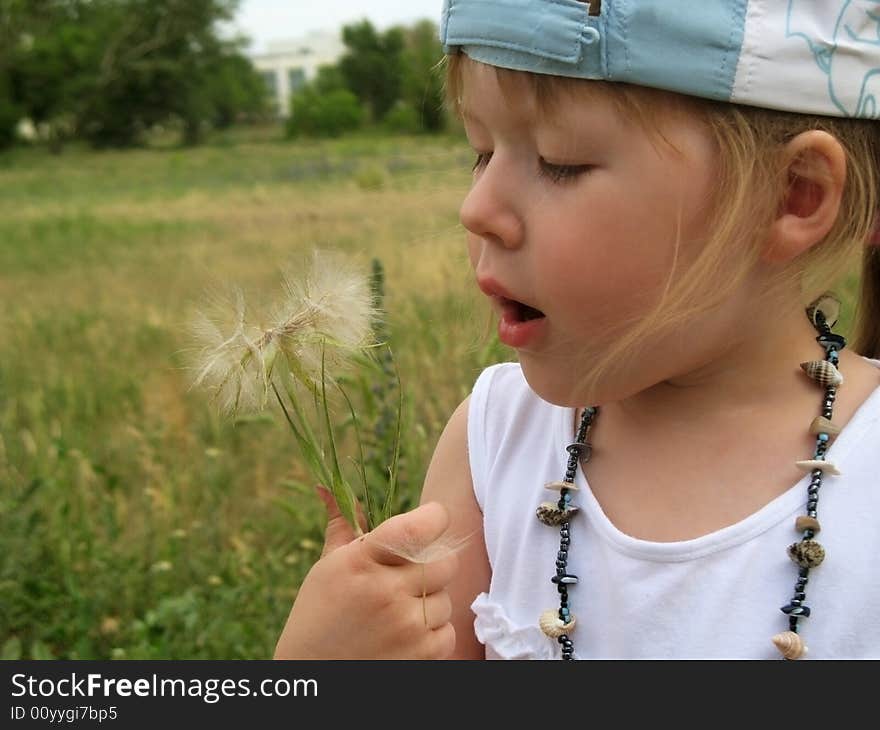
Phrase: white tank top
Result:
[717,596]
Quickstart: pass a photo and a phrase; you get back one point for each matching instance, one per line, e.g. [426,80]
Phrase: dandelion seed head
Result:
[328,313]
[229,360]
[325,315]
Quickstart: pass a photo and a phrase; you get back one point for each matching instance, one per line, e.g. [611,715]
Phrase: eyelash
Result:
[556,173]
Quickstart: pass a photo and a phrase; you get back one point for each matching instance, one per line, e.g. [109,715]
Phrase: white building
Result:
[287,65]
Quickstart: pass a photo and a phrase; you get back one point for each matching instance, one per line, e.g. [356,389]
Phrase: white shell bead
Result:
[790,645]
[553,626]
[825,466]
[559,486]
[823,372]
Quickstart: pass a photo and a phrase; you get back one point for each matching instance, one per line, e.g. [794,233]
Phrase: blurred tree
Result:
[317,113]
[236,91]
[159,64]
[52,66]
[422,78]
[373,65]
[329,78]
[14,16]
[109,70]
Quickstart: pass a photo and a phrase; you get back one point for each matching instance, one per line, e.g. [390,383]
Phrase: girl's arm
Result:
[448,481]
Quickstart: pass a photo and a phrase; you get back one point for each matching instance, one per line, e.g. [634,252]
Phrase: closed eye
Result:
[561,173]
[556,173]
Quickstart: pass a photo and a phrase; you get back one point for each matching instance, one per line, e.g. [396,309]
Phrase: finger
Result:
[427,578]
[339,531]
[441,643]
[436,609]
[404,538]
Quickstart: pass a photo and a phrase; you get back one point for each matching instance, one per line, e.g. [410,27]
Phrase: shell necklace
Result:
[807,553]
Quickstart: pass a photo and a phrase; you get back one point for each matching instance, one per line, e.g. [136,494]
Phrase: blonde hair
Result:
[752,184]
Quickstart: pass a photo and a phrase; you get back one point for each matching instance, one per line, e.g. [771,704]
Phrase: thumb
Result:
[404,537]
[339,531]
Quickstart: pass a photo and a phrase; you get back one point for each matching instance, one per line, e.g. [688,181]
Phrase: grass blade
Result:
[341,490]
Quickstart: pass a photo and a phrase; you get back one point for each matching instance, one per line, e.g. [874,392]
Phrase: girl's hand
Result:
[361,600]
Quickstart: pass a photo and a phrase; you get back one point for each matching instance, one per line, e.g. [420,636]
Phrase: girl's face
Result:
[575,215]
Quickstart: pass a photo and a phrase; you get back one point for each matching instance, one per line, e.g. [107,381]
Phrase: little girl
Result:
[684,461]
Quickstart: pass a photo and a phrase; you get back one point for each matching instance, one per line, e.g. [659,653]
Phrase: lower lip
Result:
[516,333]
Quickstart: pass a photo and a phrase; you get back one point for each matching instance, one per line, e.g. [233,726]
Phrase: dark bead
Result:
[565,579]
[560,564]
[793,609]
[800,596]
[804,574]
[831,340]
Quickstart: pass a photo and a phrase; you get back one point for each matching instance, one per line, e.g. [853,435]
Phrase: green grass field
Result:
[138,523]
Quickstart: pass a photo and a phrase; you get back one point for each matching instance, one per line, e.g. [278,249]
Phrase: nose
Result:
[490,210]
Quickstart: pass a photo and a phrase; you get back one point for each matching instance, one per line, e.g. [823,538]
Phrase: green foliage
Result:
[395,74]
[317,114]
[109,70]
[402,119]
[329,78]
[10,113]
[373,66]
[423,78]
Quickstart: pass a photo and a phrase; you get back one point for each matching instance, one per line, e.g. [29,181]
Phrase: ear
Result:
[816,176]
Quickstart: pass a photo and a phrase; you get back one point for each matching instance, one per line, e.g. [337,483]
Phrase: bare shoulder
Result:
[448,481]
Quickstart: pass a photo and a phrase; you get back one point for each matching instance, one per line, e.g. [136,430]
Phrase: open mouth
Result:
[520,312]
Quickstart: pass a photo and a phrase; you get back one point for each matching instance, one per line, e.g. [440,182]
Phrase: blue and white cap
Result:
[808,56]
